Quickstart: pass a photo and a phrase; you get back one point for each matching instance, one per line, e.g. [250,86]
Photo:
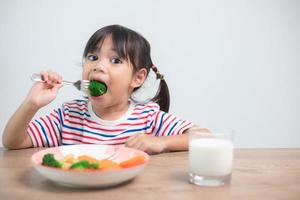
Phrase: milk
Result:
[210,156]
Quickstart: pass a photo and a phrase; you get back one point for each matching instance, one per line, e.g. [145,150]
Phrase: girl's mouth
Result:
[97,88]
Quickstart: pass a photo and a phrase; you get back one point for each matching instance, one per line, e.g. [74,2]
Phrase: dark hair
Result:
[133,46]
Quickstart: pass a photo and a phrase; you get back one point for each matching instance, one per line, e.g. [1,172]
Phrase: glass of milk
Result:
[210,156]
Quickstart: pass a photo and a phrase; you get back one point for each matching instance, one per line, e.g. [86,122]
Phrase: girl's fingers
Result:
[143,147]
[44,76]
[134,139]
[137,145]
[57,87]
[54,77]
[131,142]
[51,77]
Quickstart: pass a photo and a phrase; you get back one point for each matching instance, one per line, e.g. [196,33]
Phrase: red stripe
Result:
[133,124]
[184,127]
[49,131]
[146,116]
[107,142]
[80,104]
[40,136]
[93,138]
[94,128]
[57,116]
[82,119]
[102,129]
[163,124]
[78,108]
[148,105]
[163,132]
[178,127]
[34,137]
[155,122]
[123,124]
[53,130]
[144,107]
[76,140]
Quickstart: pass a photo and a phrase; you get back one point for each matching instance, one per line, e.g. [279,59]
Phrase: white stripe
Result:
[165,130]
[54,143]
[40,143]
[31,134]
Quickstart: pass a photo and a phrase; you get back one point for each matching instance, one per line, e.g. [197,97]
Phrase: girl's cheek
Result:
[85,72]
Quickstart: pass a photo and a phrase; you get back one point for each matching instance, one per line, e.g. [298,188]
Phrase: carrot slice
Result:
[137,160]
[108,165]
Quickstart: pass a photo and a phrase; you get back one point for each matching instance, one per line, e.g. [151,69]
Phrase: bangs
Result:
[119,39]
[128,44]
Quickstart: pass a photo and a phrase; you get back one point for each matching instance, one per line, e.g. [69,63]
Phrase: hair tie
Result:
[158,74]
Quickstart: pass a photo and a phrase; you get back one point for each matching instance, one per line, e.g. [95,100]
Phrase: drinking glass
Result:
[210,156]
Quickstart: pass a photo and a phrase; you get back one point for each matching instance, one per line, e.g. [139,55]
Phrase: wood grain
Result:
[257,174]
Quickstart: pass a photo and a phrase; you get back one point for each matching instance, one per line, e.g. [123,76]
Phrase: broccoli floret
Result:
[97,88]
[84,164]
[50,161]
[94,166]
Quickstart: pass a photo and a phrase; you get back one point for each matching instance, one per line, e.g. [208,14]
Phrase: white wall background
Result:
[228,63]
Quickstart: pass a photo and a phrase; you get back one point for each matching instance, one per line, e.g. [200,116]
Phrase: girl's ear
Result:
[139,78]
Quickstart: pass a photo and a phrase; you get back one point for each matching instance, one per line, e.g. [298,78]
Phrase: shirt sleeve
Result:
[166,124]
[46,131]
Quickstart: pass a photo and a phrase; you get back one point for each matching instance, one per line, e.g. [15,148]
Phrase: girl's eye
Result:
[92,57]
[116,61]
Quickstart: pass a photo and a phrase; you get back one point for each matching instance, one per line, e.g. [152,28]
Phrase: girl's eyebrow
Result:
[114,51]
[96,50]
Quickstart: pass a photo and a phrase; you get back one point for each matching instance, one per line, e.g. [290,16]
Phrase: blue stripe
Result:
[139,129]
[80,100]
[146,111]
[170,131]
[77,112]
[66,144]
[135,130]
[44,132]
[151,123]
[56,126]
[132,118]
[161,120]
[60,116]
[136,118]
[87,131]
[104,135]
[59,131]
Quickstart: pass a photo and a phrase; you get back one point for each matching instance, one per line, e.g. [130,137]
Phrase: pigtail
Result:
[162,97]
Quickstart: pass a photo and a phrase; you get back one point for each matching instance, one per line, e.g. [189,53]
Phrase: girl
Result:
[120,58]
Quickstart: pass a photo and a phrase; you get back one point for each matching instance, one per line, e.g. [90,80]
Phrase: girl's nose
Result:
[99,67]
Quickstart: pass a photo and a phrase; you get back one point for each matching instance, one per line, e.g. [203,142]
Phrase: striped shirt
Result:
[76,123]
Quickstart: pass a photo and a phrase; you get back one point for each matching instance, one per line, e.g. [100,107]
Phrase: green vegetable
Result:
[50,161]
[97,88]
[84,164]
[94,166]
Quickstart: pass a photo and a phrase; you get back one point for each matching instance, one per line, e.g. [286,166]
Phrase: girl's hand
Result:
[148,143]
[43,93]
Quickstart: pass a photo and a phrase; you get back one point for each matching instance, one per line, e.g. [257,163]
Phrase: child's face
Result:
[106,66]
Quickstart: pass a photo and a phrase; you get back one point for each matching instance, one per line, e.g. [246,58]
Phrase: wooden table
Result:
[257,174]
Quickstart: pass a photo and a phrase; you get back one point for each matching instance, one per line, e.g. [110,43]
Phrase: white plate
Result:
[90,178]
